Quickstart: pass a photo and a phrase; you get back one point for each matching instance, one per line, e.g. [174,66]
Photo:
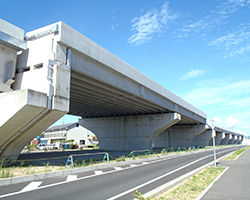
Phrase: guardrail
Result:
[106,158]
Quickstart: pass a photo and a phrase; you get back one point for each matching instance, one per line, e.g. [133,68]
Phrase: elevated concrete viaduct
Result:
[61,71]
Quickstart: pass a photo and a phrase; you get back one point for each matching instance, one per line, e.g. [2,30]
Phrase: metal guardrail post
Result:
[163,151]
[106,156]
[131,154]
[69,162]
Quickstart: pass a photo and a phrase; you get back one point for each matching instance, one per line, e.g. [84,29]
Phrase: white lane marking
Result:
[144,163]
[118,168]
[156,179]
[86,177]
[71,177]
[132,165]
[31,186]
[98,172]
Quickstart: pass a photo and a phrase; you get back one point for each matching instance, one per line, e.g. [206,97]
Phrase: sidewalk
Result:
[235,183]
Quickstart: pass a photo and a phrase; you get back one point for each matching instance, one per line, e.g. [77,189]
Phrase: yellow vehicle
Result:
[93,140]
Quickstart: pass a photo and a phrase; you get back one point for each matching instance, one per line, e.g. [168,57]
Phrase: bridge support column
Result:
[218,138]
[236,139]
[26,113]
[202,139]
[129,132]
[240,140]
[231,139]
[226,139]
[178,136]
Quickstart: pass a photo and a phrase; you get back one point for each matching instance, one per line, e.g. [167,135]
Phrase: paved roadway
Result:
[119,183]
[234,184]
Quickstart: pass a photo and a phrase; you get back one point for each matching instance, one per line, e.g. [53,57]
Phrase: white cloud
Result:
[114,21]
[240,132]
[247,126]
[214,29]
[234,43]
[215,121]
[150,23]
[226,99]
[192,73]
[231,122]
[232,6]
[223,93]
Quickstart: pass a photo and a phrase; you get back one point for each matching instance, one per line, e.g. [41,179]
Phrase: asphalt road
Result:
[119,183]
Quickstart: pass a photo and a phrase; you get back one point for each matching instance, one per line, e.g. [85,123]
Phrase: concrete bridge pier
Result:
[178,136]
[203,138]
[226,139]
[240,140]
[236,139]
[218,138]
[129,132]
[28,112]
[231,140]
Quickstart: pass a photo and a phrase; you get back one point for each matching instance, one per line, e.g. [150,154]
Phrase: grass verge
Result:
[192,187]
[234,155]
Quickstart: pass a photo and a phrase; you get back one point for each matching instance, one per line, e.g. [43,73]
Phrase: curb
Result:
[40,176]
[211,184]
[209,187]
[180,179]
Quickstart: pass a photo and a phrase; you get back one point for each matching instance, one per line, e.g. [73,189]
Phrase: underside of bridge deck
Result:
[92,98]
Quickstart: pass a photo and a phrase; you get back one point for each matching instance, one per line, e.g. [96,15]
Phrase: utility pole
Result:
[213,135]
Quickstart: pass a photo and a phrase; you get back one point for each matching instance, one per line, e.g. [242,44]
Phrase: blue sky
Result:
[199,50]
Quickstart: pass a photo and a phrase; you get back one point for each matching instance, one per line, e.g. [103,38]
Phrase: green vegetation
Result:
[32,147]
[93,146]
[234,155]
[192,187]
[120,159]
[4,173]
[25,168]
[139,196]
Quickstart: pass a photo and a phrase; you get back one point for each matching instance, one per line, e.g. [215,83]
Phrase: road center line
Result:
[63,182]
[160,177]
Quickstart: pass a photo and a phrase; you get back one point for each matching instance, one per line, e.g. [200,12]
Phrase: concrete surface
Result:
[131,132]
[81,78]
[234,184]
